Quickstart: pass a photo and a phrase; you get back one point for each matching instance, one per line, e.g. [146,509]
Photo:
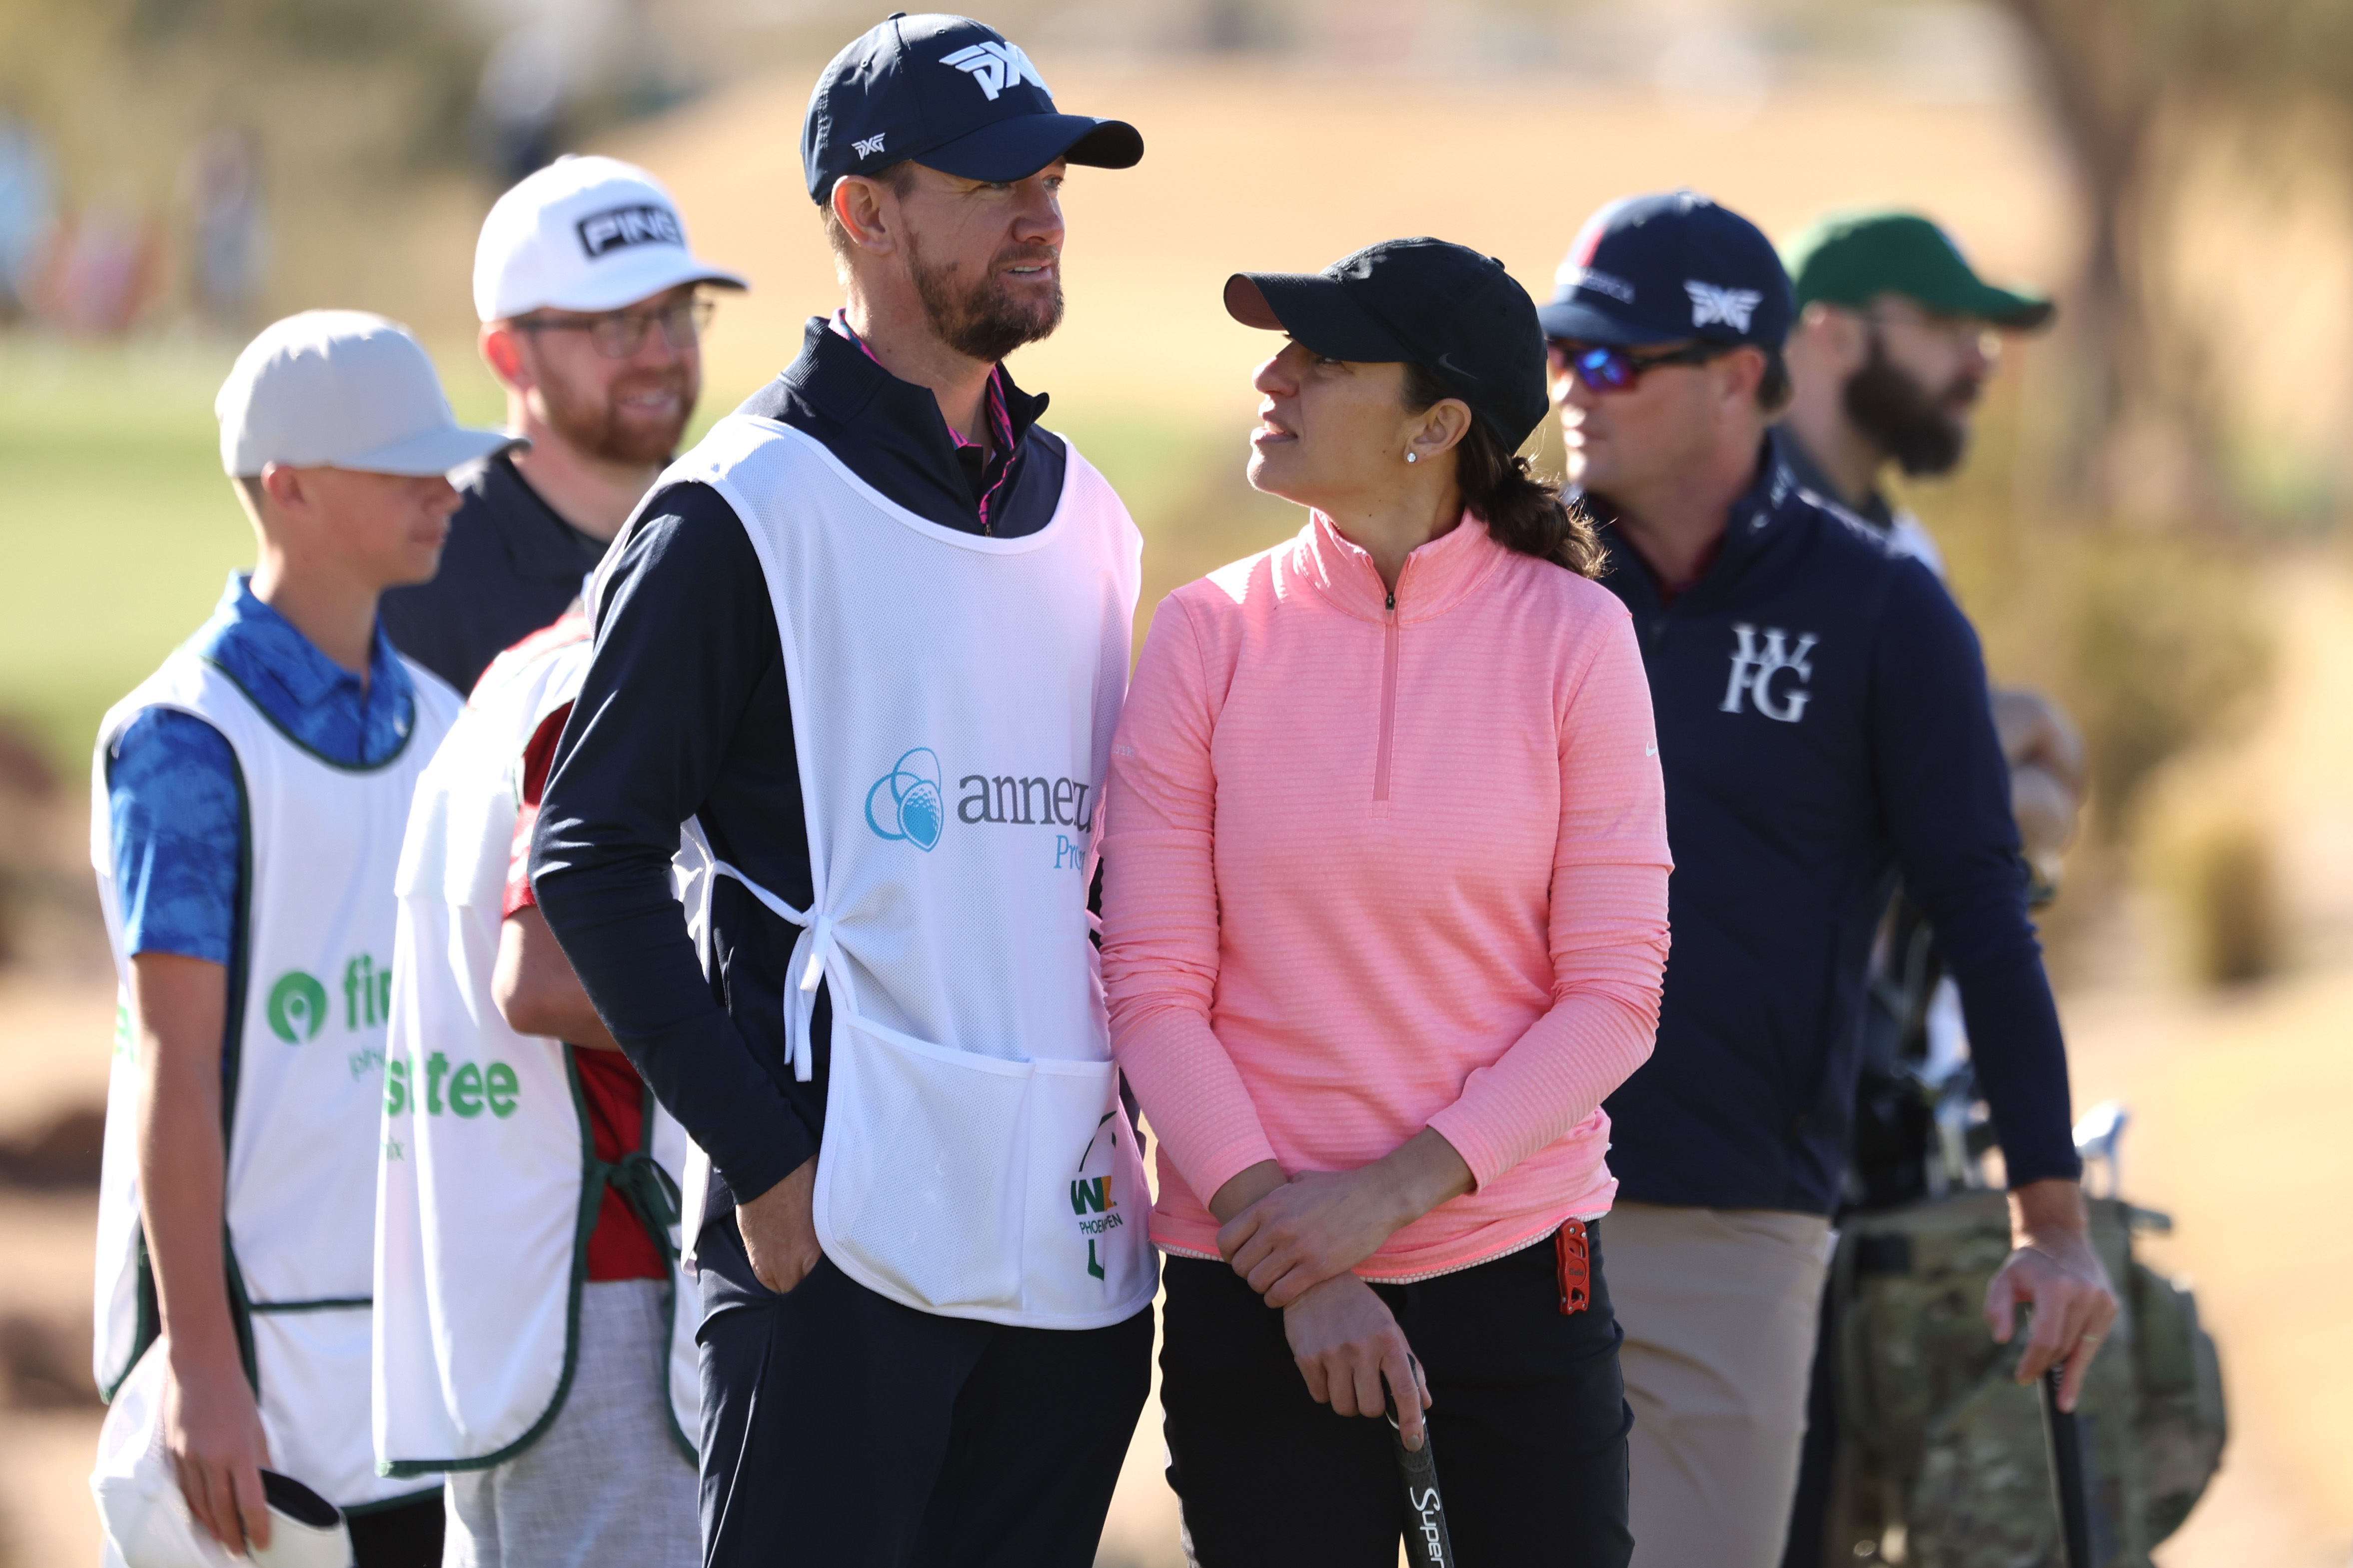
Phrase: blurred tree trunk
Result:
[2104,79]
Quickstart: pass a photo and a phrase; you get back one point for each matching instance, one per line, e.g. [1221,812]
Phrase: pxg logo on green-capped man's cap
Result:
[1851,257]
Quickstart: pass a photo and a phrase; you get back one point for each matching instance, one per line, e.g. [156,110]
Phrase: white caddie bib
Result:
[490,1185]
[302,1072]
[953,700]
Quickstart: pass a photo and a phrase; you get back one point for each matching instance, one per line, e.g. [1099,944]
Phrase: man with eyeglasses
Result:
[592,319]
[1823,721]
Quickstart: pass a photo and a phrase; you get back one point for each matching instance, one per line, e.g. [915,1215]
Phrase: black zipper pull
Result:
[1393,601]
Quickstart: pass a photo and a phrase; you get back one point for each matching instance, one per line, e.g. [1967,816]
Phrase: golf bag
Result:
[1923,1448]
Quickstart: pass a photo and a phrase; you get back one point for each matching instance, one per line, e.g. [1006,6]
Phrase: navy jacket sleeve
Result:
[685,638]
[1946,790]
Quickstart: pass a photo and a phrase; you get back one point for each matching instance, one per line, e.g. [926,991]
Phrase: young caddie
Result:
[871,636]
[248,803]
[532,1339]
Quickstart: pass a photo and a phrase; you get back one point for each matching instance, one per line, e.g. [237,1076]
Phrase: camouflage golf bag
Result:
[1939,1461]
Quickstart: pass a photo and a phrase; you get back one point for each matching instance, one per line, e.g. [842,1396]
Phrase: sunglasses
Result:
[619,335]
[1605,369]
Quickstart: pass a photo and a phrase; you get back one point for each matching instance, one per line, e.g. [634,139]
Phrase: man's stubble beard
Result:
[983,321]
[1911,425]
[596,424]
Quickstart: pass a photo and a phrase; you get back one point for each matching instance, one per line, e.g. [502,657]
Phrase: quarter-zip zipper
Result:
[1388,704]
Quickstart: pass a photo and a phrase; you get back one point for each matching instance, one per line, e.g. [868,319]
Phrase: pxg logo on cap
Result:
[623,226]
[1658,269]
[996,65]
[950,94]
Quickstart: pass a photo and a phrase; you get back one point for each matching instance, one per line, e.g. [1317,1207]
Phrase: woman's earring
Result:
[1411,458]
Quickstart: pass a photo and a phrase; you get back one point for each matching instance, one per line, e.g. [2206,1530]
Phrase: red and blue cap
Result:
[951,94]
[1663,267]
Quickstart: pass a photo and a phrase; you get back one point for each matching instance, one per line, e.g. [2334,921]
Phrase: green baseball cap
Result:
[1847,257]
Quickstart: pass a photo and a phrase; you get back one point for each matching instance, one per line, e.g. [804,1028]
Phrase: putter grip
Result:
[2067,1440]
[1427,1542]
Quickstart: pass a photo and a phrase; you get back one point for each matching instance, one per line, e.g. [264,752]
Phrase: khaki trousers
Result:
[1719,1308]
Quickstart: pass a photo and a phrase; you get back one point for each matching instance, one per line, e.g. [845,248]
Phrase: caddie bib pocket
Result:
[908,1125]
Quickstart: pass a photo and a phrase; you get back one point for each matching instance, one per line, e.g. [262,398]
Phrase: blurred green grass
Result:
[119,530]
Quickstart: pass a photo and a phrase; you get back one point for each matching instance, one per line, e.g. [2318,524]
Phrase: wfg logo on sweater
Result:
[1754,667]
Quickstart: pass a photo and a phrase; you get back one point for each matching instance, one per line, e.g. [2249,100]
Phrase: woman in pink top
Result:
[1384,922]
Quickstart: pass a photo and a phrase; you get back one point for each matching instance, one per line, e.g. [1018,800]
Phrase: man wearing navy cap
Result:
[867,641]
[1824,723]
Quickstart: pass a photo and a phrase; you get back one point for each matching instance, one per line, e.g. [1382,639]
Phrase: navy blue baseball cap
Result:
[1418,301]
[1660,268]
[953,95]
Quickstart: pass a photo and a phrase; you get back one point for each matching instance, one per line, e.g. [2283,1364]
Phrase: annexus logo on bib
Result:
[996,67]
[298,1007]
[917,810]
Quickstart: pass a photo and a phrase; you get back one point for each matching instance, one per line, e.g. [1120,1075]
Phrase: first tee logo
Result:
[298,1007]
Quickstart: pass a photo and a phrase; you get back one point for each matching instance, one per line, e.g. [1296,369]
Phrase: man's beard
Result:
[984,322]
[1925,433]
[597,424]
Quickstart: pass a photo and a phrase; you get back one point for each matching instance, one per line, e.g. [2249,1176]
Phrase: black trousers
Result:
[1527,1424]
[405,1535]
[844,1430]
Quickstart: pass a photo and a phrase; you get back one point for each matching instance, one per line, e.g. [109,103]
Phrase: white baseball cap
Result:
[342,389]
[584,234]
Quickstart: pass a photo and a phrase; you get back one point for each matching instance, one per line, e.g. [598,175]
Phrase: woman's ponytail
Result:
[1522,512]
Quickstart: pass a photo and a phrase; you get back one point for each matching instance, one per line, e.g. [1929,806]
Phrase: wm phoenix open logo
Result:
[997,65]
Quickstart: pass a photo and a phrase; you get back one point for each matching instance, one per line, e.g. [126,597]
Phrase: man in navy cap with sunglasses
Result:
[868,642]
[1823,724]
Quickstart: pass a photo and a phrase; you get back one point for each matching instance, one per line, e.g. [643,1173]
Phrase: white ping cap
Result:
[584,234]
[342,389]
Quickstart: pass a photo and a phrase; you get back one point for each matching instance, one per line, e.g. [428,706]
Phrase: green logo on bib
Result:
[298,1007]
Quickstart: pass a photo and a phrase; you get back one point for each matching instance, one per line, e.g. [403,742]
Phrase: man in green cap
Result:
[1896,336]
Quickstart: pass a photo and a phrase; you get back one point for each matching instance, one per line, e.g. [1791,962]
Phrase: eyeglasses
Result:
[1607,369]
[619,334]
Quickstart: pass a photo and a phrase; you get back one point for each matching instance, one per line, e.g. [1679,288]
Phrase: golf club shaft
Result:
[2067,1440]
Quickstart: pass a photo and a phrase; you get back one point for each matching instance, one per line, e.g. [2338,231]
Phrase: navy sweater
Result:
[1823,721]
[685,712]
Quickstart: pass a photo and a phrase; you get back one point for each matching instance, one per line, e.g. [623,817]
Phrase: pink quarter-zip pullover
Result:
[1374,867]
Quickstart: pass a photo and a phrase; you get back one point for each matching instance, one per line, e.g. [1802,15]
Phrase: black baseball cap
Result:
[1420,301]
[1657,268]
[952,94]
